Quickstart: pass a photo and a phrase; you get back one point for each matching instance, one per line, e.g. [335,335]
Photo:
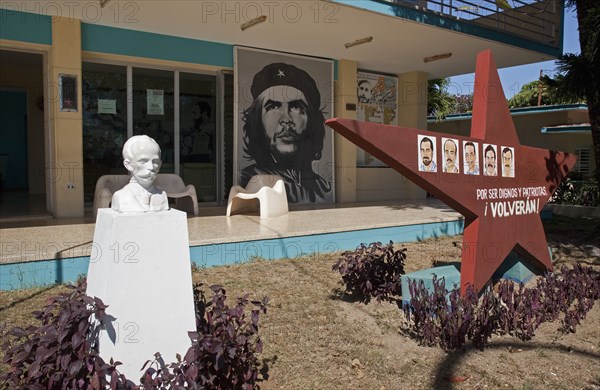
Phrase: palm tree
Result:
[439,101]
[579,75]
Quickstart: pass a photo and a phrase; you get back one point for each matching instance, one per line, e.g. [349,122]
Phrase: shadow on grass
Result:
[24,299]
[337,294]
[453,359]
[266,365]
[575,230]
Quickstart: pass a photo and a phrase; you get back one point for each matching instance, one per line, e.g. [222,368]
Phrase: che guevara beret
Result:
[280,73]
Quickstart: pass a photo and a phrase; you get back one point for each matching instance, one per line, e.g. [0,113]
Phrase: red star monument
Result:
[497,184]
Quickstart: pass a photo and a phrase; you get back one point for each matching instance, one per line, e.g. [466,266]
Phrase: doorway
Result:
[22,149]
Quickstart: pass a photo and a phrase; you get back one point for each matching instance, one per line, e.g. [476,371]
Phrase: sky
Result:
[515,77]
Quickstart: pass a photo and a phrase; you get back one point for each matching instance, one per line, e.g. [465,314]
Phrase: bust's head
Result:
[141,155]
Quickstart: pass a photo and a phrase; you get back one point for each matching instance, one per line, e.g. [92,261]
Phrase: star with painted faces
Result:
[501,211]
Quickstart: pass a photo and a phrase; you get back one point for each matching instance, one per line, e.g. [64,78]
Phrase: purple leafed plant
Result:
[572,293]
[440,317]
[372,271]
[446,319]
[224,349]
[60,352]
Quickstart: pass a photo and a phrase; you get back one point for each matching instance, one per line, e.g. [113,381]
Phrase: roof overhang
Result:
[317,28]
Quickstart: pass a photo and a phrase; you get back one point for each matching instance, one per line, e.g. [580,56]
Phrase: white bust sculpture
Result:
[141,155]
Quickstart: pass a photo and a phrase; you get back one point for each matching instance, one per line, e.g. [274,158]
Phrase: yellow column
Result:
[412,100]
[412,111]
[65,160]
[345,151]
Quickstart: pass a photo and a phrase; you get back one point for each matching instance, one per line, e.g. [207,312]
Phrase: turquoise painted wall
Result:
[45,272]
[150,45]
[25,26]
[121,41]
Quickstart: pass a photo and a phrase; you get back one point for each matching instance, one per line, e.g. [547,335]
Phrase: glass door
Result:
[198,134]
[182,111]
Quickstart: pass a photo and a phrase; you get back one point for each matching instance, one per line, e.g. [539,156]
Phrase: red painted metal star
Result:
[497,184]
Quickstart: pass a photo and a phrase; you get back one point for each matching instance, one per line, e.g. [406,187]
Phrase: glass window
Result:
[154,112]
[104,91]
[153,108]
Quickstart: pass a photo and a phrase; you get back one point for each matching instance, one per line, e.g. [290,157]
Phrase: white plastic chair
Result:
[264,192]
[185,195]
[106,186]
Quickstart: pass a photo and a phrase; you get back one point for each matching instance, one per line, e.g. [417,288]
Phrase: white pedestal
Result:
[140,267]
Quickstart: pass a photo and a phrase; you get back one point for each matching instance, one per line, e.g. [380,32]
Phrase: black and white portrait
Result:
[282,104]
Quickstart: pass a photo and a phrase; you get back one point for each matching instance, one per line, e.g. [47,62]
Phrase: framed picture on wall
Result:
[282,102]
[67,92]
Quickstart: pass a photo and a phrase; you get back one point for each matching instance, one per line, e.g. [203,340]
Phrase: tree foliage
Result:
[439,101]
[579,76]
[463,103]
[529,93]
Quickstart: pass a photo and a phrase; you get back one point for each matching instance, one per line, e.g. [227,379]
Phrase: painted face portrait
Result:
[284,117]
[284,131]
[450,156]
[507,162]
[471,165]
[470,155]
[284,126]
[364,91]
[490,161]
[427,153]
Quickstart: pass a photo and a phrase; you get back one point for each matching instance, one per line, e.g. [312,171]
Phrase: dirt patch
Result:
[315,337]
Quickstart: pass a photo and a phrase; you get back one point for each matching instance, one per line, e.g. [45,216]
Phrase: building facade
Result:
[78,78]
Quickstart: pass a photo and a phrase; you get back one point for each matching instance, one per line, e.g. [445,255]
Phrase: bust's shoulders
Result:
[124,198]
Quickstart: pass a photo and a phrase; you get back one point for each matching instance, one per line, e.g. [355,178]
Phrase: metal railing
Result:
[535,20]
